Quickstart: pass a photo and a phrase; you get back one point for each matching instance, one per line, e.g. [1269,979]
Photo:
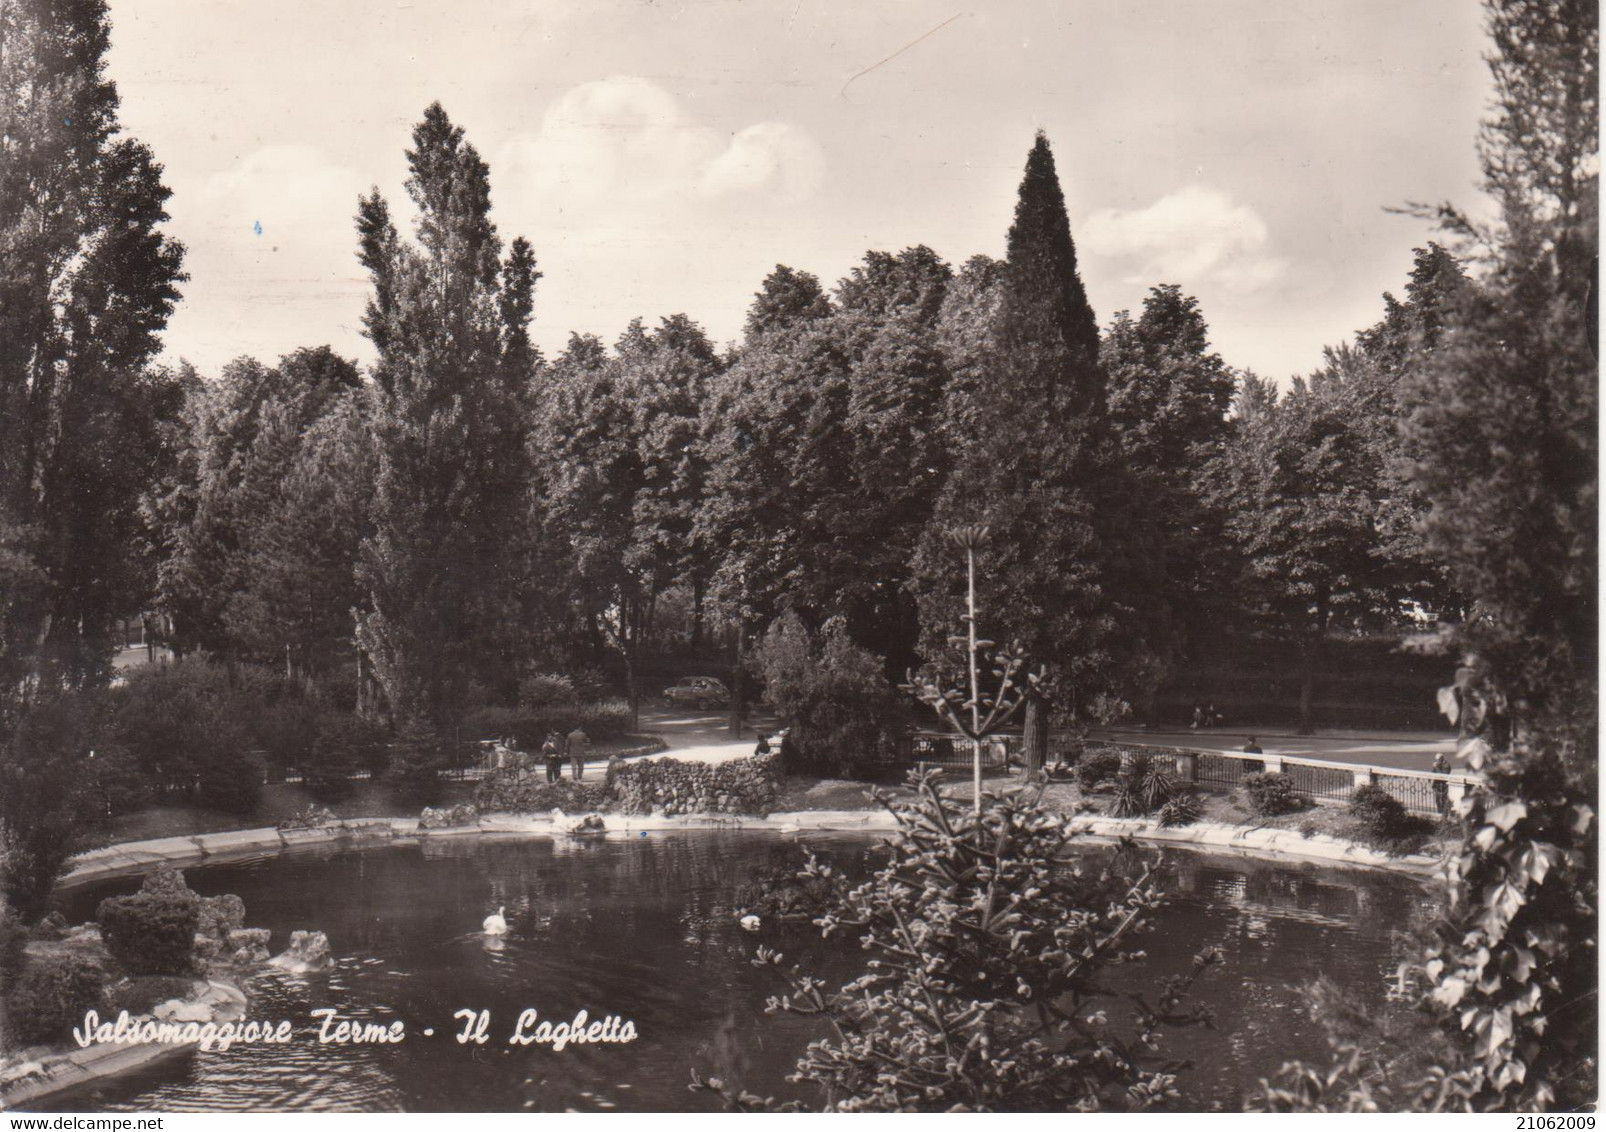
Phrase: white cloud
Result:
[772,155]
[625,140]
[1194,236]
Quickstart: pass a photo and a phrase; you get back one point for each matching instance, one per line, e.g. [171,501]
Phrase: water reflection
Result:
[645,928]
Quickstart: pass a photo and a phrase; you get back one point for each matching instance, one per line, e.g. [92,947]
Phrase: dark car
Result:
[701,692]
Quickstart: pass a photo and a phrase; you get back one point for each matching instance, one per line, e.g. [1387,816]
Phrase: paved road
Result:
[1407,750]
[704,736]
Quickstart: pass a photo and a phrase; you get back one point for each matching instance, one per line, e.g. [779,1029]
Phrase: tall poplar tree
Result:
[449,318]
[87,281]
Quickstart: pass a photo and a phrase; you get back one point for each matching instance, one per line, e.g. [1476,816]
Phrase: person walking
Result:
[553,757]
[1441,786]
[578,743]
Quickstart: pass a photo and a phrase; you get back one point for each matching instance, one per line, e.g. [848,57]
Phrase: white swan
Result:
[495,924]
[750,922]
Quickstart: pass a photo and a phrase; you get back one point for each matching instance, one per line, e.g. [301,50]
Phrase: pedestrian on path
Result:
[553,757]
[1441,786]
[578,743]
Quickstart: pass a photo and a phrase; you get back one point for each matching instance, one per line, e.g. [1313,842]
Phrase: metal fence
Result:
[1333,783]
[1420,792]
[928,748]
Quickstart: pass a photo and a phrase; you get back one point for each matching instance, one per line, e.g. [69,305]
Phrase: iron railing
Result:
[1420,792]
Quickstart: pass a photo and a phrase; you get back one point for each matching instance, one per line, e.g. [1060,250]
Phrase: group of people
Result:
[1206,717]
[574,746]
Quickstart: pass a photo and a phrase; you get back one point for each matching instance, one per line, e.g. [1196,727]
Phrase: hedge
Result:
[151,933]
[1098,764]
[641,786]
[608,719]
[51,997]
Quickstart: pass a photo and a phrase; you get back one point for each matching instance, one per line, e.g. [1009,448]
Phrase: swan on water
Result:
[750,922]
[495,924]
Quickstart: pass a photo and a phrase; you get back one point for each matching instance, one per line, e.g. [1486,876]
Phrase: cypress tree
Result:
[1035,465]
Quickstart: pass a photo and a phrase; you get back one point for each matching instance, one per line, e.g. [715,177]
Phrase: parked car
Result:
[701,692]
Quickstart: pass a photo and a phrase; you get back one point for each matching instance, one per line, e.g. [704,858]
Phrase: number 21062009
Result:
[1555,1123]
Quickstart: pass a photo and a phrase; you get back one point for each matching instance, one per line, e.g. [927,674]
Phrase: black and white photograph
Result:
[705,556]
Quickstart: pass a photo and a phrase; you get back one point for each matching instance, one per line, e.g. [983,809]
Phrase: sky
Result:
[664,156]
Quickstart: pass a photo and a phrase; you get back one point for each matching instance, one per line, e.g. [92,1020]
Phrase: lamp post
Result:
[989,712]
[969,539]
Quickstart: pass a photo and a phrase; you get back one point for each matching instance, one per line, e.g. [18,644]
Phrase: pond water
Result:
[643,928]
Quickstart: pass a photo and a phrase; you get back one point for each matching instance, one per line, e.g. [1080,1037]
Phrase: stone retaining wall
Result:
[142,856]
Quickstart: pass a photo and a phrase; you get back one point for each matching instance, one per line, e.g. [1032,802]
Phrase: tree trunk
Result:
[1309,649]
[696,610]
[1034,747]
[1307,686]
[737,688]
[632,693]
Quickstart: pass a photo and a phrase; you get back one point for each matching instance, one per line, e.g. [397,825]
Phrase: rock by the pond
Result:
[308,951]
[248,946]
[206,946]
[174,1010]
[590,824]
[51,927]
[82,935]
[248,937]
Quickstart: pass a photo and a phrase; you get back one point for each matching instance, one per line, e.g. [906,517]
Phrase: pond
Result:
[643,928]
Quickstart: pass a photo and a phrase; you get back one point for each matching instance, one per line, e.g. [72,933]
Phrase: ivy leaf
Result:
[1508,815]
[1450,992]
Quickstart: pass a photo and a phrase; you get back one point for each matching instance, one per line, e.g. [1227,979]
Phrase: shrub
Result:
[151,933]
[542,691]
[13,939]
[1272,794]
[345,743]
[51,996]
[1184,809]
[956,1021]
[418,757]
[1378,810]
[287,729]
[188,726]
[1142,787]
[609,719]
[46,776]
[1098,764]
[605,719]
[1387,824]
[236,788]
[842,717]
